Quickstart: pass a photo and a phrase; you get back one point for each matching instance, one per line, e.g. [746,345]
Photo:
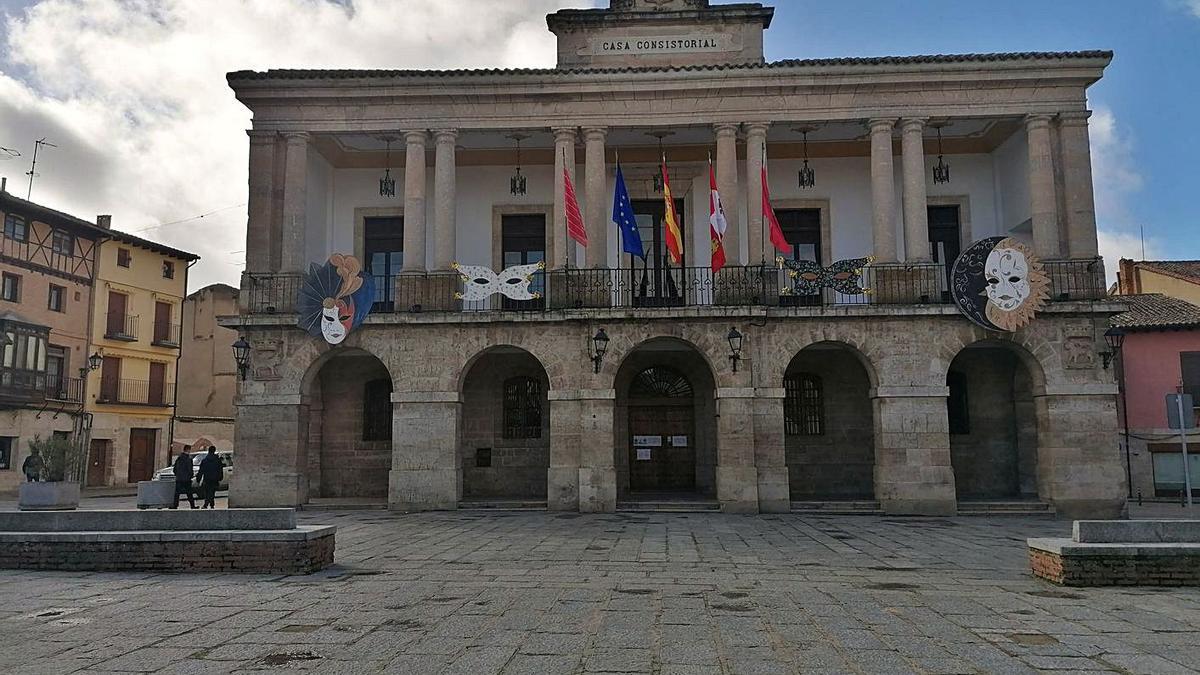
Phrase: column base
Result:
[737,489]
[774,494]
[423,489]
[261,490]
[598,490]
[562,488]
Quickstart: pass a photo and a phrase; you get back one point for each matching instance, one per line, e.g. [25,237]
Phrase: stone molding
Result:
[426,397]
[1092,389]
[910,392]
[582,394]
[735,392]
[268,400]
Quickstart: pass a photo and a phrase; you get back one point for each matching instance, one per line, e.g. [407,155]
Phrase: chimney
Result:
[4,184]
[1127,277]
[104,222]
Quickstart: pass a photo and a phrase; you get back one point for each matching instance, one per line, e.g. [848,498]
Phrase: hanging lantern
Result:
[808,177]
[387,184]
[518,185]
[941,170]
[659,181]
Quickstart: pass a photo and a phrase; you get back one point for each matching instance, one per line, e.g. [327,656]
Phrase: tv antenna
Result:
[33,169]
[8,153]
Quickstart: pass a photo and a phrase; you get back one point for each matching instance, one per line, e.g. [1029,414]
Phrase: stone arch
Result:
[504,450]
[995,424]
[784,349]
[829,438]
[703,343]
[482,345]
[674,423]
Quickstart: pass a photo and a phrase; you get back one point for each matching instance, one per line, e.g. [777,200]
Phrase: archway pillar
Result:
[913,475]
[770,457]
[737,475]
[1080,470]
[566,436]
[271,434]
[595,440]
[426,474]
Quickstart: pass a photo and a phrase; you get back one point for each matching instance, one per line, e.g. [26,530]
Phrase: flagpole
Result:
[762,217]
[566,235]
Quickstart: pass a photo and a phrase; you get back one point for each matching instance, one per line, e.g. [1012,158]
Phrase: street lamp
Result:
[735,347]
[1114,337]
[241,356]
[599,347]
[93,363]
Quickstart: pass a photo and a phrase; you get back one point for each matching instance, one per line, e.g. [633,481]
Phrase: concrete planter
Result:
[54,496]
[155,494]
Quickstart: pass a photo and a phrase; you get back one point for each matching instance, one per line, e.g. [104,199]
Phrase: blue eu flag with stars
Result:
[623,216]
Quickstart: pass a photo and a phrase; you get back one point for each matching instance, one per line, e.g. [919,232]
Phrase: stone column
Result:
[1080,470]
[272,433]
[445,179]
[597,470]
[737,476]
[426,474]
[414,202]
[564,158]
[727,185]
[293,257]
[261,201]
[562,478]
[883,191]
[916,214]
[770,458]
[597,196]
[1077,183]
[760,249]
[1043,201]
[913,474]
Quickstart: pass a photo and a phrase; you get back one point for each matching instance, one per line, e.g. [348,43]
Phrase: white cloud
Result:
[1116,180]
[133,93]
[1192,6]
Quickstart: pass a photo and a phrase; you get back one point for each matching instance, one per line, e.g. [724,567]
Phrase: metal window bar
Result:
[137,392]
[121,326]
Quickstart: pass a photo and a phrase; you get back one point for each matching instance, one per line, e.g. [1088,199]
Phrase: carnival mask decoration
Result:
[999,284]
[479,282]
[335,298]
[808,278]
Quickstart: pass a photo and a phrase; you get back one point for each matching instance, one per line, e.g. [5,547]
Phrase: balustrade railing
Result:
[166,334]
[136,392]
[120,326]
[32,385]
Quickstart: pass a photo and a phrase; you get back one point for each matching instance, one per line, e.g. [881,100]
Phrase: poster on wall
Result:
[999,284]
[679,441]
[335,298]
[643,454]
[648,441]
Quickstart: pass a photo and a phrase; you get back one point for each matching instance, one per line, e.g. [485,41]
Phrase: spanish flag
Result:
[674,235]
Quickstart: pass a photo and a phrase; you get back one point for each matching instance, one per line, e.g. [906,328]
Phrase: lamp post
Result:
[241,356]
[1114,337]
[735,347]
[598,347]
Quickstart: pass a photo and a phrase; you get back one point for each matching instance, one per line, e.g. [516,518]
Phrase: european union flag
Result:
[623,216]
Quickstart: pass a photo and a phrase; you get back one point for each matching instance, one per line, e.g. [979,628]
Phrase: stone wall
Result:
[350,466]
[1116,569]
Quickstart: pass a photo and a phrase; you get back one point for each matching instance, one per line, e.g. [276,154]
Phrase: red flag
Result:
[777,237]
[575,227]
[716,222]
[674,235]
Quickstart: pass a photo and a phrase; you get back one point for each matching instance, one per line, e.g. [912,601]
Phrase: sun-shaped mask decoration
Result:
[999,284]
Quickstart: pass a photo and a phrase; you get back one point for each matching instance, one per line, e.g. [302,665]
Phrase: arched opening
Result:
[505,449]
[829,438]
[350,428]
[665,423]
[993,424]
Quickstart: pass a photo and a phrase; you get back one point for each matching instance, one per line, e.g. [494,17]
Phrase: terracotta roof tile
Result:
[1150,311]
[1183,269]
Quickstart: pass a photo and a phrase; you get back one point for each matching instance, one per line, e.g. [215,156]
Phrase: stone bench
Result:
[1121,553]
[228,540]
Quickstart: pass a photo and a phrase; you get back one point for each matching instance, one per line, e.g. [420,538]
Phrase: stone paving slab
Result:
[534,592]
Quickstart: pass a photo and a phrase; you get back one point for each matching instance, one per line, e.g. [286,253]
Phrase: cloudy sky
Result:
[133,92]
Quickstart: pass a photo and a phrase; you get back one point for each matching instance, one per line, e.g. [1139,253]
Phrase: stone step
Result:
[850,507]
[502,505]
[1003,507]
[669,506]
[344,504]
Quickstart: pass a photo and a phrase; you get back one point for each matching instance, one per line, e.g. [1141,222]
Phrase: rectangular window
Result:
[56,370]
[1189,370]
[123,257]
[523,242]
[802,230]
[384,246]
[168,269]
[16,228]
[62,243]
[10,287]
[7,443]
[1168,470]
[57,301]
[162,323]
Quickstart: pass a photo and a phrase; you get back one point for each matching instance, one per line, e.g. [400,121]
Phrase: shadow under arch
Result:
[829,430]
[504,444]
[665,421]
[994,421]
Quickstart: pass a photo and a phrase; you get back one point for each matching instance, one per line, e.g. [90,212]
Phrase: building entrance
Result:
[662,432]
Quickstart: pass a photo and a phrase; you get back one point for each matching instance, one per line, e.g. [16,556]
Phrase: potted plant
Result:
[46,486]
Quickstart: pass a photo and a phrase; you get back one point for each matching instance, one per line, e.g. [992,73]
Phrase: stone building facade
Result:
[890,398]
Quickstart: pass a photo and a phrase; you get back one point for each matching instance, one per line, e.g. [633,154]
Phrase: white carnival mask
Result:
[1007,275]
[332,326]
[480,282]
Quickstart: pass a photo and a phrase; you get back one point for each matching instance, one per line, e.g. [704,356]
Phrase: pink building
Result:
[1161,353]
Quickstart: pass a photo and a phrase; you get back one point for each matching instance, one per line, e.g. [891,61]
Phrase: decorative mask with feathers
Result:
[335,298]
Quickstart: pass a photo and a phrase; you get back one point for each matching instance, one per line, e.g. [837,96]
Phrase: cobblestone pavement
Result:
[542,593]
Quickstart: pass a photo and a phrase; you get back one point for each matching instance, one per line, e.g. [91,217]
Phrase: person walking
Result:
[212,472]
[183,479]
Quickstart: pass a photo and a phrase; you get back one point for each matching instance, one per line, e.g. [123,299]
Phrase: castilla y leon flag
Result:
[716,221]
[673,234]
[575,228]
[777,239]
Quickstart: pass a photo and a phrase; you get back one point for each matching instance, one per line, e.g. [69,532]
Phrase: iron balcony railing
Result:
[667,286]
[166,334]
[136,392]
[32,385]
[118,326]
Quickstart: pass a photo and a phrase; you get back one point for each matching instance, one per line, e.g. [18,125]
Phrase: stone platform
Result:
[1121,553]
[235,540]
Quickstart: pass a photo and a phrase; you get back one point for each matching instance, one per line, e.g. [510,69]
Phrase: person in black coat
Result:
[212,472]
[183,479]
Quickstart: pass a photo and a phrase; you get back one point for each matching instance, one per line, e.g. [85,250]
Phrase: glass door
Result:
[384,244]
[523,242]
[657,281]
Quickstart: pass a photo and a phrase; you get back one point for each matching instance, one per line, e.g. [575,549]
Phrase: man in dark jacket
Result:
[183,479]
[212,472]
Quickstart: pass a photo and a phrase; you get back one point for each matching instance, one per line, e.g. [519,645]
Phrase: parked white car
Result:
[226,459]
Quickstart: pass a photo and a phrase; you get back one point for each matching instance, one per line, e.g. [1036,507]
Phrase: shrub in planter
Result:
[51,462]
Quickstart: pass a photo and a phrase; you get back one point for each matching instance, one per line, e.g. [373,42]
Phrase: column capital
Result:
[296,136]
[1074,117]
[911,124]
[1033,120]
[416,136]
[445,135]
[757,128]
[726,129]
[565,133]
[262,135]
[595,133]
[881,124]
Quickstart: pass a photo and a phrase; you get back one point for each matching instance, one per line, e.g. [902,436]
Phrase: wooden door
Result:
[110,379]
[99,455]
[662,451]
[141,454]
[158,378]
[116,314]
[162,322]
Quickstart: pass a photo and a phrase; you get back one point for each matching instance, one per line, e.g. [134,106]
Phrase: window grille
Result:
[377,410]
[803,405]
[522,408]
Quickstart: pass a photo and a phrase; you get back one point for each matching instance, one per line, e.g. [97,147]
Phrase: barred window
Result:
[803,405]
[377,410]
[522,408]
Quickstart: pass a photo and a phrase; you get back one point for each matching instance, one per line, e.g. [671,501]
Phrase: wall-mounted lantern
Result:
[241,356]
[735,347]
[598,348]
[1113,337]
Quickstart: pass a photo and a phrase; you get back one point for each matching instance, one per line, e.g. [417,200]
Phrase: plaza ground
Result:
[537,592]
